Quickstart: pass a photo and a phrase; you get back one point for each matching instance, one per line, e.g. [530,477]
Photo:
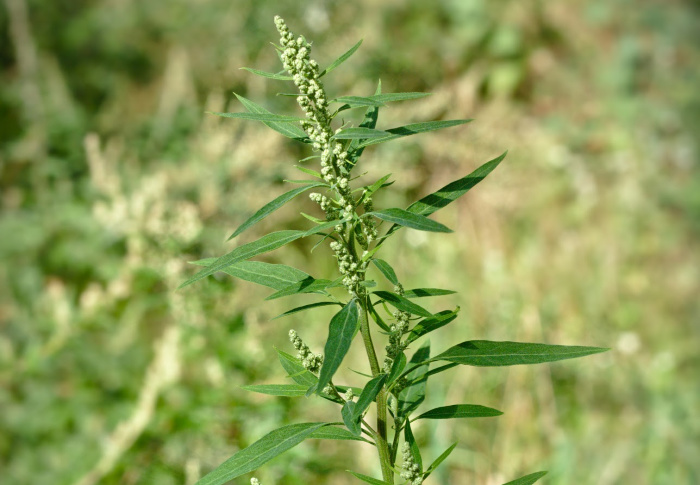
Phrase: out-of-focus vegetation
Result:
[112,177]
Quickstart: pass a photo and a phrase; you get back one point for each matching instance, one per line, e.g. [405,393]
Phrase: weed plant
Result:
[351,225]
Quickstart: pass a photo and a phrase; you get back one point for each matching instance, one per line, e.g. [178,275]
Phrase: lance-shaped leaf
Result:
[397,367]
[528,479]
[390,97]
[358,133]
[272,206]
[409,219]
[369,121]
[275,276]
[431,323]
[308,285]
[289,130]
[351,422]
[411,440]
[413,129]
[295,370]
[485,353]
[286,390]
[267,117]
[369,393]
[402,303]
[452,191]
[433,466]
[413,395]
[340,333]
[370,480]
[253,457]
[459,411]
[386,269]
[305,307]
[423,292]
[333,433]
[341,59]
[271,75]
[358,101]
[265,244]
[378,319]
[376,186]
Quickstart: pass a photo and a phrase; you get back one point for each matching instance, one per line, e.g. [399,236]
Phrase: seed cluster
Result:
[411,471]
[254,481]
[398,329]
[349,267]
[311,362]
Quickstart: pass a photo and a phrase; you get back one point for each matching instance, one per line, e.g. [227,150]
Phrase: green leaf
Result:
[438,460]
[369,393]
[340,333]
[377,319]
[286,390]
[308,171]
[253,457]
[402,303]
[423,292]
[408,219]
[357,101]
[389,97]
[305,307]
[289,130]
[358,133]
[485,353]
[366,479]
[386,270]
[413,395]
[341,59]
[351,421]
[459,411]
[412,129]
[375,186]
[265,244]
[267,117]
[415,451]
[275,276]
[397,367]
[271,75]
[369,121]
[528,479]
[308,285]
[272,206]
[295,370]
[432,323]
[333,433]
[452,191]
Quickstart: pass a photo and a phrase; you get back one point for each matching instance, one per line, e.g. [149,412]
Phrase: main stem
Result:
[381,441]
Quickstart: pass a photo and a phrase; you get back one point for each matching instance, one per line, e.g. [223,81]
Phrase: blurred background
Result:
[112,177]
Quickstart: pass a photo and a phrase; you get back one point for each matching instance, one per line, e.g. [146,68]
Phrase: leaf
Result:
[402,303]
[485,353]
[397,367]
[271,75]
[413,395]
[432,323]
[438,460]
[528,479]
[357,101]
[265,244]
[286,129]
[333,433]
[308,285]
[351,421]
[366,479]
[308,171]
[369,121]
[376,186]
[389,97]
[415,451]
[408,219]
[386,270]
[295,370]
[268,117]
[272,206]
[452,191]
[305,307]
[358,133]
[268,447]
[413,129]
[423,292]
[341,330]
[377,319]
[459,411]
[341,59]
[286,390]
[275,276]
[369,393]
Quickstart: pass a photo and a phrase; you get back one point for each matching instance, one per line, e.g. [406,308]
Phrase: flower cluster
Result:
[398,329]
[411,471]
[311,362]
[254,481]
[348,267]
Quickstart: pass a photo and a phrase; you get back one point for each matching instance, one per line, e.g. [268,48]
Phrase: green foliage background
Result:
[111,178]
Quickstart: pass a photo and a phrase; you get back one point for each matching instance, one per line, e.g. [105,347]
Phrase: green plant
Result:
[397,384]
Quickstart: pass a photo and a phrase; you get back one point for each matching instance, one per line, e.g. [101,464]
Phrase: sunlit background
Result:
[112,178]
